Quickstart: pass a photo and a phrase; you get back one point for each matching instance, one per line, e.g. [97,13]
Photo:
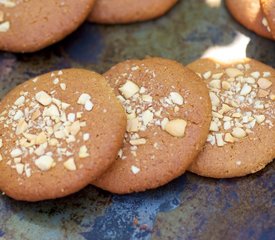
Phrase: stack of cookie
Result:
[256,15]
[28,26]
[138,127]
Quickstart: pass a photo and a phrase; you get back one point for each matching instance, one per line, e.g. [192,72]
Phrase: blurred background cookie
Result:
[242,131]
[58,132]
[268,7]
[128,11]
[250,14]
[168,111]
[28,26]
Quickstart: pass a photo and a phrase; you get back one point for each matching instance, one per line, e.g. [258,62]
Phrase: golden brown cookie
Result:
[169,112]
[268,7]
[249,13]
[58,132]
[128,11]
[28,26]
[242,132]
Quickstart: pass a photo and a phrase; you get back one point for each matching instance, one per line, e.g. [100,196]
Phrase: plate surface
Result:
[190,207]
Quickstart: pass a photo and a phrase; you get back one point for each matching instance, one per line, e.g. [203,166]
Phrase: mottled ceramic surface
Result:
[190,207]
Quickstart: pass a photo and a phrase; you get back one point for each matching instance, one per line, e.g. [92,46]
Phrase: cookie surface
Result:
[249,13]
[242,132]
[268,7]
[169,112]
[28,26]
[128,11]
[58,132]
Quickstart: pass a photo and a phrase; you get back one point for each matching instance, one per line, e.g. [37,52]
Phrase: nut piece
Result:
[246,89]
[133,125]
[19,168]
[214,99]
[264,83]
[89,106]
[229,138]
[176,127]
[207,75]
[5,26]
[129,89]
[44,163]
[214,127]
[147,117]
[260,118]
[8,3]
[16,153]
[135,169]
[43,98]
[137,142]
[20,101]
[176,98]
[233,72]
[238,132]
[84,97]
[83,152]
[70,164]
[215,84]
[262,93]
[220,141]
[226,85]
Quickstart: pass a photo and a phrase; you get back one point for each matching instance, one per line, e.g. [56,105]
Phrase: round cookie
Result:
[242,132]
[58,132]
[169,112]
[249,13]
[28,26]
[128,11]
[268,7]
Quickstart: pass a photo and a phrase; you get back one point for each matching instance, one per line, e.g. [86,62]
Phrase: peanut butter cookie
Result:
[242,132]
[58,132]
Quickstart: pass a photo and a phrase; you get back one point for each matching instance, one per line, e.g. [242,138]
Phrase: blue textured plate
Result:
[190,207]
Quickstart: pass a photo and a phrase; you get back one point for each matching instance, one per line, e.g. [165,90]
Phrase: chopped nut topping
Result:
[264,83]
[241,99]
[44,163]
[89,105]
[70,164]
[20,168]
[233,72]
[8,3]
[83,152]
[83,98]
[136,142]
[16,153]
[246,90]
[229,138]
[5,26]
[135,170]
[20,101]
[176,127]
[129,89]
[176,98]
[43,98]
[238,132]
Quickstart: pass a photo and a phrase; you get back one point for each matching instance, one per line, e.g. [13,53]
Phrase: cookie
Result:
[268,7]
[128,11]
[249,13]
[58,132]
[28,26]
[242,132]
[168,111]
